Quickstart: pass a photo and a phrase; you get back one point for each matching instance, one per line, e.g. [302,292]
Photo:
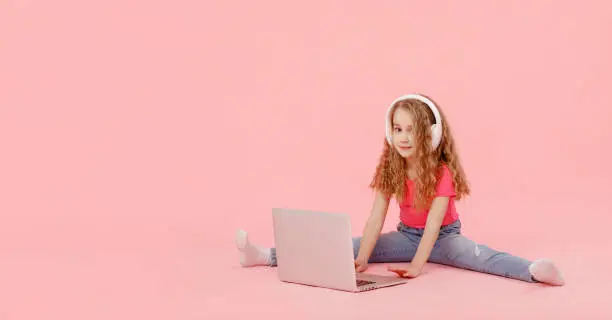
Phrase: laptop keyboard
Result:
[364,283]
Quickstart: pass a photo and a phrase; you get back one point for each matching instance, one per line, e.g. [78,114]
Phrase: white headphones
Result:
[436,129]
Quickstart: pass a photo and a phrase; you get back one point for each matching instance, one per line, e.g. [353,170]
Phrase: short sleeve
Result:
[445,186]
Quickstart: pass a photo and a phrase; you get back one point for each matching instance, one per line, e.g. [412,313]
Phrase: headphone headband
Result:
[436,129]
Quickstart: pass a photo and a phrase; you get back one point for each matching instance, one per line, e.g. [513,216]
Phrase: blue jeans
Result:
[451,248]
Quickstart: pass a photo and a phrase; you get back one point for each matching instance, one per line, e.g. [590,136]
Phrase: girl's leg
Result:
[454,249]
[390,247]
[458,251]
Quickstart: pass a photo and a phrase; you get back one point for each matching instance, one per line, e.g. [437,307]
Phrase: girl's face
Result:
[403,137]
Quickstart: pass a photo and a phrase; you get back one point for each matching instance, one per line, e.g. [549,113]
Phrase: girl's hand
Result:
[406,270]
[361,264]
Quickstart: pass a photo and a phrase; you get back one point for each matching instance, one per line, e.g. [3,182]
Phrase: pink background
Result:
[137,136]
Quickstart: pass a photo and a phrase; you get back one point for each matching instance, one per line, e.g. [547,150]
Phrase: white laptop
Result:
[316,249]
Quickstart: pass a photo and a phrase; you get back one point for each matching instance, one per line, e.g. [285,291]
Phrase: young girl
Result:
[420,167]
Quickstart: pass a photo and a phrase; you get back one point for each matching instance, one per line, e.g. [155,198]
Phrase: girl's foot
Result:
[545,271]
[251,254]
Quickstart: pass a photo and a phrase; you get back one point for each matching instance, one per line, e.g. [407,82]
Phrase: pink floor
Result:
[168,274]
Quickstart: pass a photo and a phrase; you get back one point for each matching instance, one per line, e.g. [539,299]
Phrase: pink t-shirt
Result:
[445,188]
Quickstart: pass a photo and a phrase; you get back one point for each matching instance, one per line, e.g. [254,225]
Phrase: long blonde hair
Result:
[391,173]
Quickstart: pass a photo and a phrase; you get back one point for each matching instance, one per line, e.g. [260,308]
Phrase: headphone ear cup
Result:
[435,135]
[389,134]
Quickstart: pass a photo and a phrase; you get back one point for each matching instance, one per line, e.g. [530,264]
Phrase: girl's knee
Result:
[458,247]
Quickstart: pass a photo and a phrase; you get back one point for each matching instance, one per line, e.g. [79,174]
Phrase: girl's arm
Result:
[374,225]
[432,230]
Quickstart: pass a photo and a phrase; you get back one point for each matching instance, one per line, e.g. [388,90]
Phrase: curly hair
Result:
[391,172]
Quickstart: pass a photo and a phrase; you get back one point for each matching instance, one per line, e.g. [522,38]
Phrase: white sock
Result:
[251,254]
[545,271]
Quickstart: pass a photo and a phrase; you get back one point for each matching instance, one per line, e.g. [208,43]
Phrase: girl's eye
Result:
[397,129]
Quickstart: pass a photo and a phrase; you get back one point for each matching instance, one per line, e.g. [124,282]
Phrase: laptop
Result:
[316,249]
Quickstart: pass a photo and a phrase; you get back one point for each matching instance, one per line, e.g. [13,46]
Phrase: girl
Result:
[420,167]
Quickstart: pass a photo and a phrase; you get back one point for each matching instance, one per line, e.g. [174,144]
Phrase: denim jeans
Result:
[451,248]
